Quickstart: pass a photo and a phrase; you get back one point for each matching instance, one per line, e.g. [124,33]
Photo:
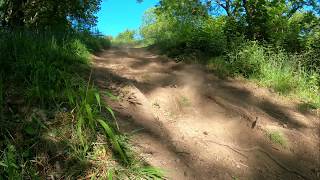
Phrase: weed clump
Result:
[277,138]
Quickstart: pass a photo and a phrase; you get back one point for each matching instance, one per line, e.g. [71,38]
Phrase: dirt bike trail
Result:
[194,125]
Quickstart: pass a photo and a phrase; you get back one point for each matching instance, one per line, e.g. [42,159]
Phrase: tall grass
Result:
[1,97]
[50,109]
[286,73]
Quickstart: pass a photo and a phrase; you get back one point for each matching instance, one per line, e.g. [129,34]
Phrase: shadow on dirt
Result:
[236,96]
[286,166]
[244,98]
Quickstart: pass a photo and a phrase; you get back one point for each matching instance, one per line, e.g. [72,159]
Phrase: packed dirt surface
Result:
[192,124]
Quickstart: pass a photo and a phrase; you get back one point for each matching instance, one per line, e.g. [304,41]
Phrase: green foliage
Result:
[49,14]
[94,44]
[47,71]
[9,163]
[116,145]
[150,173]
[186,35]
[50,110]
[186,26]
[273,42]
[277,137]
[125,38]
[247,60]
[140,172]
[51,114]
[1,96]
[281,71]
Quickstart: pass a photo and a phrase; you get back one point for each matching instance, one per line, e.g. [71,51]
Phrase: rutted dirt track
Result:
[197,126]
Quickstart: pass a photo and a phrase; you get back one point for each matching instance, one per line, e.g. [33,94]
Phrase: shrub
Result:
[200,34]
[283,72]
[247,60]
[128,37]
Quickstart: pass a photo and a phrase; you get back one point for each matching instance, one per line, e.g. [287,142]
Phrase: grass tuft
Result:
[277,138]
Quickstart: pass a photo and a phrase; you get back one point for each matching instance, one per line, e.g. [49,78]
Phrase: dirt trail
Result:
[197,126]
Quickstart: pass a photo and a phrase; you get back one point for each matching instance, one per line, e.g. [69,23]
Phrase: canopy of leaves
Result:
[289,23]
[48,14]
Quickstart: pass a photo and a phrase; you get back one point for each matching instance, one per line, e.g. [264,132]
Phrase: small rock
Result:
[285,126]
[205,133]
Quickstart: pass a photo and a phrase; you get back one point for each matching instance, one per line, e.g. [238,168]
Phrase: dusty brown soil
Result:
[197,126]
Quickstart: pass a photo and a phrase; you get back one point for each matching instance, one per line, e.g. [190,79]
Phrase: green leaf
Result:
[79,129]
[152,173]
[39,123]
[113,116]
[113,139]
[30,130]
[3,164]
[70,97]
[90,115]
[110,174]
[98,99]
[115,98]
[14,165]
[111,112]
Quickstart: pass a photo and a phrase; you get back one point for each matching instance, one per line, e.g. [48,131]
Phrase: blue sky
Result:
[116,16]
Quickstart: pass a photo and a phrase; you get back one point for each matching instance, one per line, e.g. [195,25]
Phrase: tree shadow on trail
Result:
[243,98]
[236,96]
[234,99]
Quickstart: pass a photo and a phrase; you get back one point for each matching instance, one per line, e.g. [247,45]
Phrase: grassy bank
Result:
[51,123]
[291,75]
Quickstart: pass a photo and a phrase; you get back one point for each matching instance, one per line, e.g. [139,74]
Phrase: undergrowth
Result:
[129,38]
[51,124]
[287,74]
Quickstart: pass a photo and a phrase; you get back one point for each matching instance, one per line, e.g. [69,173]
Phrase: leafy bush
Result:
[176,37]
[94,43]
[127,37]
[247,60]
